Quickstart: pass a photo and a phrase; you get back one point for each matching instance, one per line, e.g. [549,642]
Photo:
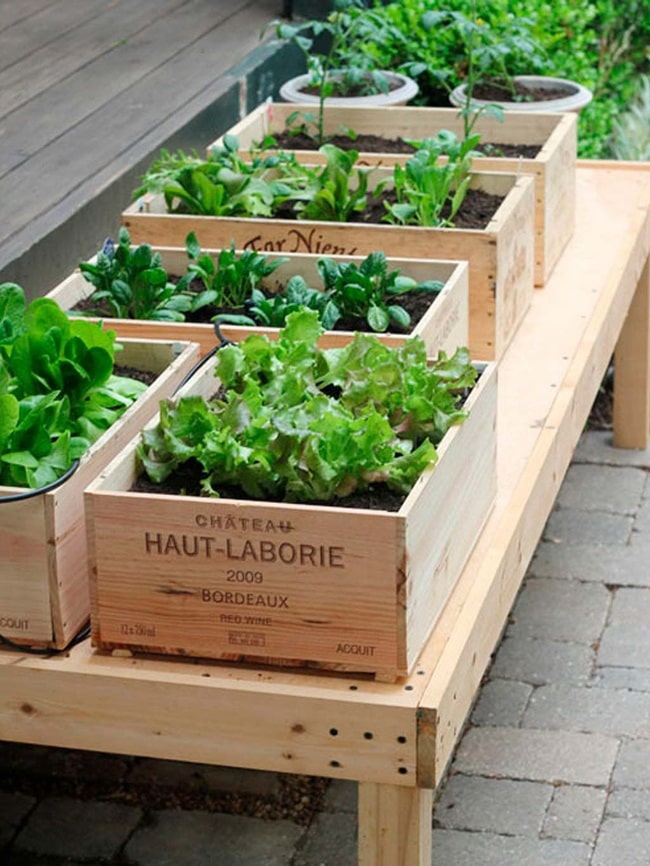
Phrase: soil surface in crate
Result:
[366,143]
[186,481]
[416,305]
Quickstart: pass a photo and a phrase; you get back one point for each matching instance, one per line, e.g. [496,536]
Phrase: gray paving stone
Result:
[341,796]
[571,526]
[575,813]
[605,711]
[13,809]
[202,777]
[611,489]
[177,838]
[626,639]
[636,679]
[330,841]
[541,756]
[498,806]
[595,446]
[619,564]
[538,661]
[623,840]
[633,765]
[63,827]
[501,702]
[560,610]
[641,526]
[458,848]
[629,803]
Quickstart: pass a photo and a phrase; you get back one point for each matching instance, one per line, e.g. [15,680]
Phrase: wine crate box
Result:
[44,598]
[500,256]
[553,167]
[324,586]
[444,326]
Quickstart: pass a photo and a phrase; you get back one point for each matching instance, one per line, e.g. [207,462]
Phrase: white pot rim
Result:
[576,98]
[291,92]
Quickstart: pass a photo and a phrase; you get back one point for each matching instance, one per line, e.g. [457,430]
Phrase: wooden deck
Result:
[90,91]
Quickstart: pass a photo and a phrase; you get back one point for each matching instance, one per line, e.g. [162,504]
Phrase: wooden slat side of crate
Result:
[44,579]
[444,326]
[488,276]
[326,586]
[554,167]
[467,467]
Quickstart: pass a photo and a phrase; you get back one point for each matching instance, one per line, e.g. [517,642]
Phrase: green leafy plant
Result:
[336,190]
[229,279]
[274,310]
[429,190]
[222,185]
[130,283]
[369,290]
[297,423]
[58,393]
[338,69]
[631,133]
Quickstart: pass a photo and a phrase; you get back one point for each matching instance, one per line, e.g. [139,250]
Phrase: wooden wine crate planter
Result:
[351,589]
[44,598]
[554,167]
[444,326]
[500,257]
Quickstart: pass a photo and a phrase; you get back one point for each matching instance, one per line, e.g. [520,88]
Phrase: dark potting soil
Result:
[361,89]
[144,376]
[416,305]
[525,93]
[477,209]
[186,481]
[380,144]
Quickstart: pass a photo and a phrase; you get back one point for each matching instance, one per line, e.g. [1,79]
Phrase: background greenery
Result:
[602,44]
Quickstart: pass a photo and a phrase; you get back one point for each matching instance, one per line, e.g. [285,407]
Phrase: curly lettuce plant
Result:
[58,392]
[297,423]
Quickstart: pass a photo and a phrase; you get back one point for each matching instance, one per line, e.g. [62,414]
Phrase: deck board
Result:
[91,92]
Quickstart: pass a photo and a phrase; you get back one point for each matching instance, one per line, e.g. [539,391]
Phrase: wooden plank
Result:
[613,219]
[632,371]
[72,50]
[43,28]
[326,726]
[395,825]
[61,178]
[108,78]
[14,13]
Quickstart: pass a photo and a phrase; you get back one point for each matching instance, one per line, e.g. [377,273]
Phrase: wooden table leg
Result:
[395,825]
[632,371]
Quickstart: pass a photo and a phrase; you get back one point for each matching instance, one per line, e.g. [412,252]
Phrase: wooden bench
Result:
[396,739]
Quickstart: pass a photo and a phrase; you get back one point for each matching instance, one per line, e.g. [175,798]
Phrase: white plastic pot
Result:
[576,97]
[291,92]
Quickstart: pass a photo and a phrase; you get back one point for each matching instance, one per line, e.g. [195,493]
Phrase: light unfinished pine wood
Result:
[351,588]
[395,825]
[499,290]
[444,326]
[632,371]
[211,712]
[553,168]
[44,596]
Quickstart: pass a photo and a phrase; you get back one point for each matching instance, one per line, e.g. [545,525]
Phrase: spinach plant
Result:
[58,393]
[229,280]
[298,423]
[130,283]
[274,310]
[370,290]
[335,191]
[222,185]
[430,190]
